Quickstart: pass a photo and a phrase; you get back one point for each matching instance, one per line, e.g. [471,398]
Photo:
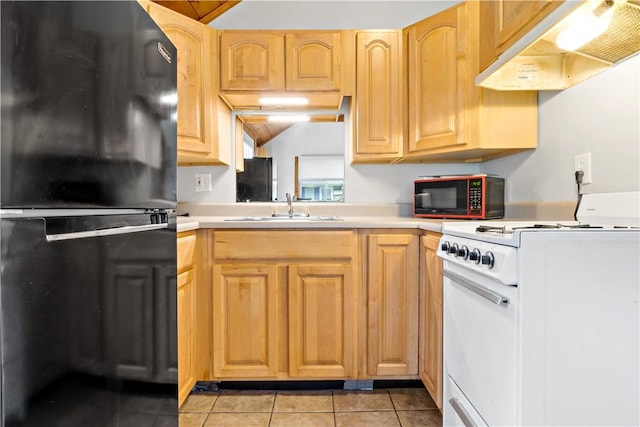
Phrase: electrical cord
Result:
[579,175]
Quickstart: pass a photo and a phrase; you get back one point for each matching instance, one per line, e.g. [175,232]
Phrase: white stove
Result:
[542,319]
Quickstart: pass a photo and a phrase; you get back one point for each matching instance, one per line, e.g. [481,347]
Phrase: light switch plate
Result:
[203,182]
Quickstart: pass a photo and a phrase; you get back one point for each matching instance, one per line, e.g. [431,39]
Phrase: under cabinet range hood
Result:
[594,35]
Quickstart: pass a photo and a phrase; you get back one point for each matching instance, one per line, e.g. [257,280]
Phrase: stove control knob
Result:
[445,246]
[463,252]
[474,255]
[488,260]
[453,249]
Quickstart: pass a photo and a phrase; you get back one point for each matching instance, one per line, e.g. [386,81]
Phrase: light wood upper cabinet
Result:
[313,61]
[197,88]
[431,294]
[377,105]
[392,305]
[321,319]
[251,60]
[503,22]
[278,63]
[449,117]
[438,68]
[245,332]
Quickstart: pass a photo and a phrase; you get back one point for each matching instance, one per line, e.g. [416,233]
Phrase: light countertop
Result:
[195,222]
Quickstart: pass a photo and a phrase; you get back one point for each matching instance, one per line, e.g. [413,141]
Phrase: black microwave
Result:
[461,197]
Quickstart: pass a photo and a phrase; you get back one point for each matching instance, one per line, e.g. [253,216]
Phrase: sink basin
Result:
[287,218]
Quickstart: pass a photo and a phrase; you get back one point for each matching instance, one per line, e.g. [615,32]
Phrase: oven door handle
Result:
[462,413]
[485,293]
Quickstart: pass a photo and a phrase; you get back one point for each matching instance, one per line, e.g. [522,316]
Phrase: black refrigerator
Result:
[88,332]
[255,183]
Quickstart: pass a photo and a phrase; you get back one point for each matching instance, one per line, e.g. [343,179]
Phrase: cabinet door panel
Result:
[251,61]
[431,317]
[437,82]
[245,309]
[130,298]
[378,94]
[166,327]
[393,305]
[313,61]
[186,326]
[320,321]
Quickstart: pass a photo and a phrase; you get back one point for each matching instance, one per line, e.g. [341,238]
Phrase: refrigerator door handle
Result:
[105,232]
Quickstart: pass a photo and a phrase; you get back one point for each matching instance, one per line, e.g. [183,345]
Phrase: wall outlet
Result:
[582,162]
[203,182]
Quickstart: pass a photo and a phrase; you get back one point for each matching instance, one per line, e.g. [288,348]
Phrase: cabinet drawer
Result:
[271,244]
[186,250]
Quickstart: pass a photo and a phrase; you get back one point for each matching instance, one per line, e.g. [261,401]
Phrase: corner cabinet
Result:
[449,118]
[392,305]
[377,106]
[284,304]
[198,142]
[186,306]
[431,297]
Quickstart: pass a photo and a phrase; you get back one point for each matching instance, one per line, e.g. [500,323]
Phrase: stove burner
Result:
[504,230]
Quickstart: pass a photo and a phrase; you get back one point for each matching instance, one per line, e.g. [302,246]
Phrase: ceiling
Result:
[203,11]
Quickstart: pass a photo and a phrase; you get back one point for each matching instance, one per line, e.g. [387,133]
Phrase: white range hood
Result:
[535,62]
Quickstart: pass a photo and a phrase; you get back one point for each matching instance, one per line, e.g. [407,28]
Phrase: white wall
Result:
[313,138]
[600,116]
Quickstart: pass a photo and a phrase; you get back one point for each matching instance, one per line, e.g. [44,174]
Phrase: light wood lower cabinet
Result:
[321,319]
[431,316]
[186,315]
[245,332]
[392,305]
[284,304]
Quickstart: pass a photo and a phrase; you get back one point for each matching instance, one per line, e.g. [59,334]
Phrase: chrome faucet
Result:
[289,203]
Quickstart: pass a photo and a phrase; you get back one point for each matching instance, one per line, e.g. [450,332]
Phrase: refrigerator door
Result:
[88,324]
[256,182]
[88,112]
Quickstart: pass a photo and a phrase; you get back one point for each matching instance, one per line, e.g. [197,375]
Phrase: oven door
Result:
[480,345]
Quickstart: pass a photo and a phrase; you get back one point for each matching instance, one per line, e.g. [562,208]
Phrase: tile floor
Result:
[406,407]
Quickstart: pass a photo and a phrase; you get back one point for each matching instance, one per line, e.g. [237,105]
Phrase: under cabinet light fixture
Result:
[588,22]
[289,118]
[284,100]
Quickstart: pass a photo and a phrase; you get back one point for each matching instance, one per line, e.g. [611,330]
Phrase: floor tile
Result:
[244,402]
[255,419]
[198,403]
[362,401]
[411,399]
[191,420]
[366,419]
[428,418]
[304,401]
[306,419]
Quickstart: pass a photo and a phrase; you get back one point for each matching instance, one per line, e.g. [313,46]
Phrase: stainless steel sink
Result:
[281,218]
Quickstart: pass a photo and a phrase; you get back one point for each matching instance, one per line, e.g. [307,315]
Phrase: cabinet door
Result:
[251,60]
[503,22]
[313,61]
[197,94]
[378,101]
[245,321]
[130,321]
[392,305]
[438,78]
[186,327]
[431,317]
[321,321]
